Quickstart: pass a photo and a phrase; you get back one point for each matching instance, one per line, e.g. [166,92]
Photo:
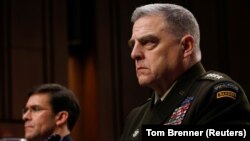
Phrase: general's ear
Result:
[61,117]
[187,43]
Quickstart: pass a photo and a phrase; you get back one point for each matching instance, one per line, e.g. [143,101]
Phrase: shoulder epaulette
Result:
[223,86]
[214,75]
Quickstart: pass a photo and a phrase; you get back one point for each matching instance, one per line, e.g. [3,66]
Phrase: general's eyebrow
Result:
[150,37]
[143,39]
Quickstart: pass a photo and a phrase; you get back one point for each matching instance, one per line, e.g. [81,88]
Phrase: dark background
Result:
[83,45]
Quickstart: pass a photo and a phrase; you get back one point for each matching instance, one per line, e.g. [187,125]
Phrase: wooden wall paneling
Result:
[11,129]
[82,69]
[4,55]
[238,36]
[75,84]
[6,61]
[104,70]
[26,51]
[38,52]
[60,41]
[34,50]
[47,37]
[206,16]
[222,36]
[83,82]
[116,65]
[1,58]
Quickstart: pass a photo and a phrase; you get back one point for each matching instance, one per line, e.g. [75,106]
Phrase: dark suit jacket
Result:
[198,98]
[67,138]
[58,138]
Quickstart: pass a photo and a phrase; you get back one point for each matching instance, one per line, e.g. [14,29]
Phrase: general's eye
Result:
[149,42]
[143,42]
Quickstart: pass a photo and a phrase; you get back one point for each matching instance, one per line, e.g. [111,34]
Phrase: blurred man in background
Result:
[50,113]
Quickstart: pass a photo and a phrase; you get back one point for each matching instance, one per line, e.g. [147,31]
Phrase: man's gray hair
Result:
[179,20]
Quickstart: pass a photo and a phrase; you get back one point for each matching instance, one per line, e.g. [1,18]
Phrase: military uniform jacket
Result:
[198,98]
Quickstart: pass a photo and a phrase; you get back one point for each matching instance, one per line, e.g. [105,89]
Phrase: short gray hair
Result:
[180,21]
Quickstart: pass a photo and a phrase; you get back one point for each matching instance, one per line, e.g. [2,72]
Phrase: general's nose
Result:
[137,52]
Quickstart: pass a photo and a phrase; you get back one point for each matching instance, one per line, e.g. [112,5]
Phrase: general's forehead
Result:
[150,20]
[149,25]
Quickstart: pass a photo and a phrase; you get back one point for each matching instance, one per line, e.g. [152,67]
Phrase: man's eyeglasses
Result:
[33,109]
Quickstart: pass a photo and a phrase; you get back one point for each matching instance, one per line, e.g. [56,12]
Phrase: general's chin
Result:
[144,81]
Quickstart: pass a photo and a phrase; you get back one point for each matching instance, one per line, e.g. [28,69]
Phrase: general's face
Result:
[39,118]
[156,52]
